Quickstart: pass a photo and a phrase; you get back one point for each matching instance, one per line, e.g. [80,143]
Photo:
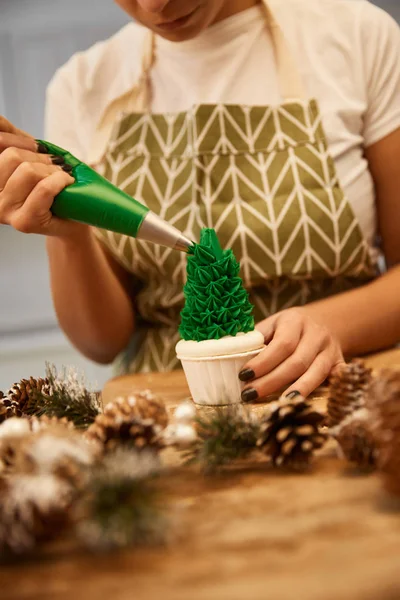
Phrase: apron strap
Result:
[290,83]
[139,98]
[136,99]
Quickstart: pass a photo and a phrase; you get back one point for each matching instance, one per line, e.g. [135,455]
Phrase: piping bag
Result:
[93,200]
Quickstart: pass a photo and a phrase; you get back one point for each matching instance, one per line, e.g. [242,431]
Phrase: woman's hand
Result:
[299,356]
[29,182]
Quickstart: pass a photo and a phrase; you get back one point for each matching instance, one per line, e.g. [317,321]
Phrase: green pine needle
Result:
[68,397]
[224,435]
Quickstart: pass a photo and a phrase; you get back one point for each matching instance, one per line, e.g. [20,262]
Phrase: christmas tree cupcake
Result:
[217,324]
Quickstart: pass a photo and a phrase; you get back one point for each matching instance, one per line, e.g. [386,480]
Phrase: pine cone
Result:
[8,408]
[63,452]
[45,445]
[14,458]
[14,446]
[383,400]
[291,433]
[25,393]
[33,510]
[347,391]
[137,420]
[46,422]
[14,433]
[356,439]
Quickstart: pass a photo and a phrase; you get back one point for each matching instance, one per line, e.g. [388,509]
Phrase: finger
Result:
[35,216]
[287,372]
[315,375]
[11,140]
[12,158]
[267,328]
[283,344]
[20,185]
[8,127]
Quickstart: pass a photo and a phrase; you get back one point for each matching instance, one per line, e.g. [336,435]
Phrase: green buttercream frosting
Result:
[216,303]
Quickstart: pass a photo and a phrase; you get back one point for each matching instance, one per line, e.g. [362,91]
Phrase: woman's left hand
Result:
[299,356]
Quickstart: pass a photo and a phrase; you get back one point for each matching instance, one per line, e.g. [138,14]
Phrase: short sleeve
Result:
[60,119]
[380,51]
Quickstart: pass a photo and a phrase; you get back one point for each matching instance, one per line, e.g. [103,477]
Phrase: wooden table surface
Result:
[249,534]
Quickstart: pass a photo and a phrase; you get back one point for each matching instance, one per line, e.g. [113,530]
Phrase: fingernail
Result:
[41,148]
[57,160]
[249,395]
[67,168]
[292,394]
[246,375]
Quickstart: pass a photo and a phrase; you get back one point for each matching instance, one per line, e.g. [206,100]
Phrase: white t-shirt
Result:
[348,54]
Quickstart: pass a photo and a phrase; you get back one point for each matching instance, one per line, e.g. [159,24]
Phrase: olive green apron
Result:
[261,176]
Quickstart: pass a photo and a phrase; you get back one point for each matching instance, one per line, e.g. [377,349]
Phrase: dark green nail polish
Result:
[292,394]
[249,395]
[41,148]
[247,375]
[57,160]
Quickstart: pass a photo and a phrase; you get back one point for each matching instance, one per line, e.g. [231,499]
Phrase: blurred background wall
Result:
[36,37]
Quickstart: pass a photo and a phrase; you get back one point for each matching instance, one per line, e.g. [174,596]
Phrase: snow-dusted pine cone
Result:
[33,509]
[356,439]
[8,408]
[347,390]
[137,421]
[45,446]
[291,432]
[383,401]
[45,422]
[14,433]
[13,458]
[63,452]
[25,393]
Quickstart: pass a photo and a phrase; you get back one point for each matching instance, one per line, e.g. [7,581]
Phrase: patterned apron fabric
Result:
[264,179]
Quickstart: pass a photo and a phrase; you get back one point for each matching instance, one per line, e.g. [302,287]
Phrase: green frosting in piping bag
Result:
[216,303]
[93,200]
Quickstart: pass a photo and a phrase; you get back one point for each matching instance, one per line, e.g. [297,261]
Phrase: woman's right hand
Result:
[29,182]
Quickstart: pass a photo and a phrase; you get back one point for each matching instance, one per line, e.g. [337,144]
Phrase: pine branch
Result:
[122,505]
[224,435]
[67,397]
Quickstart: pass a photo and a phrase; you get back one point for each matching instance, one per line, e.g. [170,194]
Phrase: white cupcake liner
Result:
[214,380]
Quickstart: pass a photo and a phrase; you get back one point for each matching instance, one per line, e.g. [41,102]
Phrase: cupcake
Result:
[217,324]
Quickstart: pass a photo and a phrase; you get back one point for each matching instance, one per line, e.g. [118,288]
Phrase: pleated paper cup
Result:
[213,380]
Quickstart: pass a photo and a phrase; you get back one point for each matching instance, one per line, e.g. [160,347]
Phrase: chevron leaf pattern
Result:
[264,179]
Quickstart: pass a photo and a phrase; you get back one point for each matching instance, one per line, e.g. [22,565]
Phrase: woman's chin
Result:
[185,29]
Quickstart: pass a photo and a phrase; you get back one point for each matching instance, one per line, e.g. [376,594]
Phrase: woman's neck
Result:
[231,7]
